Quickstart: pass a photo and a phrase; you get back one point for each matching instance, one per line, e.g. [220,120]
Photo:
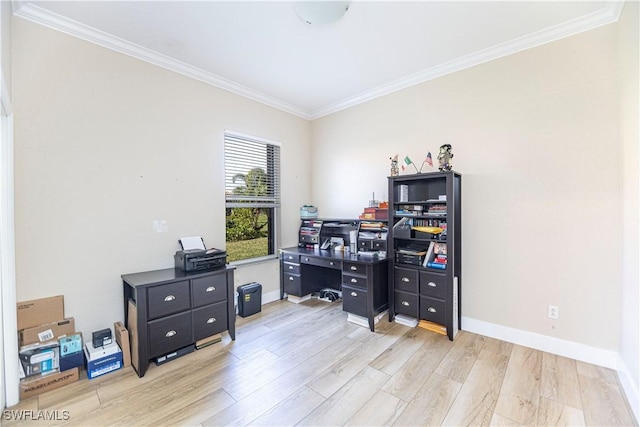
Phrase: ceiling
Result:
[263,51]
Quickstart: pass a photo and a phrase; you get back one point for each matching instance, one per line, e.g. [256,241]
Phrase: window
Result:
[252,193]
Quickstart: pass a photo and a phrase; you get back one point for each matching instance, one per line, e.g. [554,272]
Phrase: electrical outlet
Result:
[553,312]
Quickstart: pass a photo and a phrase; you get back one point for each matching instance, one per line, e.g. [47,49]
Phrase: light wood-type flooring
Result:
[305,364]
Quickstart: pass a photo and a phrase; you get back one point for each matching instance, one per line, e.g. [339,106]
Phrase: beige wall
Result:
[105,144]
[536,138]
[629,52]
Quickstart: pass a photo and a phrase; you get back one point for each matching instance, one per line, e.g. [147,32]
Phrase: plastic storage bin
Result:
[249,299]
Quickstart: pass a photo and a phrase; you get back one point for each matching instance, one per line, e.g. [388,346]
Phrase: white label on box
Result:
[105,369]
[41,357]
[45,335]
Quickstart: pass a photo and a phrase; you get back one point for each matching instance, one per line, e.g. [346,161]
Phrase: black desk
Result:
[363,280]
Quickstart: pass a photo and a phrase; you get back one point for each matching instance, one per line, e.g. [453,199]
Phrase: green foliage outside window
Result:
[247,229]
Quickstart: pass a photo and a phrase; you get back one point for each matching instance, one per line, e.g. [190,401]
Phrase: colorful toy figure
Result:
[444,157]
[394,165]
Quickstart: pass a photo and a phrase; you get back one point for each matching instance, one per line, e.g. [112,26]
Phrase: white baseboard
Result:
[270,297]
[570,349]
[630,389]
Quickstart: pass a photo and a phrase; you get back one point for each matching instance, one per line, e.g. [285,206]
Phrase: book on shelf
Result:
[429,254]
[440,259]
[437,265]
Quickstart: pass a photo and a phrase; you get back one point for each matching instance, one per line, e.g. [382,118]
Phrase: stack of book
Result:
[437,210]
[436,256]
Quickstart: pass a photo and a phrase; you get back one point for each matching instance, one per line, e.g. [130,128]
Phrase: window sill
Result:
[251,261]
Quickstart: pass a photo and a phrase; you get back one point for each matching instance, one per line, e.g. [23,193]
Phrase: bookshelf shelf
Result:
[424,248]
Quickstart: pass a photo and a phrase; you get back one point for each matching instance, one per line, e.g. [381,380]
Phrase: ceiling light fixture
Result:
[321,12]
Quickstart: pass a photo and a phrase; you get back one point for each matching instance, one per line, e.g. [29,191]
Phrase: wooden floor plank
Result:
[603,402]
[291,410]
[406,382]
[552,413]
[476,401]
[392,359]
[559,380]
[520,392]
[431,403]
[381,410]
[346,402]
[458,362]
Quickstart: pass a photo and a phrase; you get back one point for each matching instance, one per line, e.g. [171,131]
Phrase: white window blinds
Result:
[252,171]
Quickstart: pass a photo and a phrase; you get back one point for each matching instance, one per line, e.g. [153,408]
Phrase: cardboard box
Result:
[132,316]
[36,385]
[122,338]
[47,331]
[40,358]
[102,360]
[40,311]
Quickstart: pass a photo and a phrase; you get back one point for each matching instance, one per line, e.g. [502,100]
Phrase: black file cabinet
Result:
[170,309]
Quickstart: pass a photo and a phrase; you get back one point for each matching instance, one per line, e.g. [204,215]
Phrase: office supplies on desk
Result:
[194,256]
[200,259]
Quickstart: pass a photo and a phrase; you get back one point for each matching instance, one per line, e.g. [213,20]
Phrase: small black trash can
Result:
[249,299]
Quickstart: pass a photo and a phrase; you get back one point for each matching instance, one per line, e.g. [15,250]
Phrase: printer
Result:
[200,259]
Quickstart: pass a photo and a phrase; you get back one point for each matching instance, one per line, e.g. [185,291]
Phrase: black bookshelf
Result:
[424,248]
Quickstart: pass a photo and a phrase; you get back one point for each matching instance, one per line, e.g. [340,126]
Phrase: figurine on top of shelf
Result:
[444,157]
[394,165]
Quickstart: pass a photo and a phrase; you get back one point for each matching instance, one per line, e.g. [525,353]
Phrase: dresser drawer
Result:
[169,334]
[433,285]
[321,262]
[432,309]
[291,268]
[354,300]
[208,290]
[354,281]
[405,280]
[168,299]
[354,268]
[209,320]
[292,284]
[290,257]
[406,303]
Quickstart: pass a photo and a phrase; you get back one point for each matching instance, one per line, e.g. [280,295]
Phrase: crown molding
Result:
[60,23]
[607,15]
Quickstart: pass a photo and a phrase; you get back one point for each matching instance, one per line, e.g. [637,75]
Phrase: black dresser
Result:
[167,310]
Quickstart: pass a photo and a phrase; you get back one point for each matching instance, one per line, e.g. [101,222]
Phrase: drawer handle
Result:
[431,310]
[353,268]
[306,259]
[405,279]
[289,257]
[169,298]
[330,262]
[354,294]
[170,334]
[405,303]
[291,278]
[210,289]
[354,280]
[433,285]
[291,267]
[211,320]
